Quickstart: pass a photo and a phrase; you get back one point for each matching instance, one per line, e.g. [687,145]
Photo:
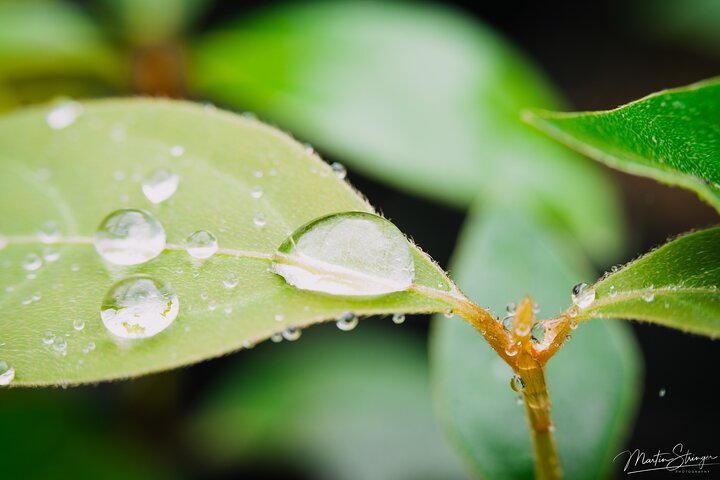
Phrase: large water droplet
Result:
[347,321]
[129,237]
[582,295]
[201,244]
[7,373]
[139,307]
[63,115]
[160,185]
[347,254]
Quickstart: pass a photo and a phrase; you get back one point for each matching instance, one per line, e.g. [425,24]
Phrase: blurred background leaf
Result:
[503,255]
[415,96]
[337,406]
[52,48]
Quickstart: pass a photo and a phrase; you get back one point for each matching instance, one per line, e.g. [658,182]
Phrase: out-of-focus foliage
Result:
[339,406]
[504,255]
[416,96]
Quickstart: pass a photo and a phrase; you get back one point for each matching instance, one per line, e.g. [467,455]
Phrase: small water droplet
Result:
[449,313]
[201,244]
[507,322]
[347,321]
[256,192]
[139,307]
[259,220]
[78,324]
[50,255]
[231,280]
[177,150]
[535,308]
[398,318]
[339,170]
[160,185]
[7,373]
[516,383]
[538,332]
[49,232]
[292,333]
[228,309]
[582,295]
[59,344]
[573,324]
[512,349]
[129,237]
[347,254]
[89,347]
[662,392]
[48,338]
[279,317]
[204,295]
[63,115]
[32,262]
[212,305]
[510,309]
[276,337]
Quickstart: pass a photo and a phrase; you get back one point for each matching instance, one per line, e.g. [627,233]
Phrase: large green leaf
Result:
[593,380]
[44,40]
[77,175]
[416,96]
[671,136]
[675,285]
[333,405]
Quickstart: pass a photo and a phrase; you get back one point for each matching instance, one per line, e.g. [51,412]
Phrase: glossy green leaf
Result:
[60,434]
[51,40]
[675,285]
[416,96]
[342,406]
[671,136]
[231,169]
[593,379]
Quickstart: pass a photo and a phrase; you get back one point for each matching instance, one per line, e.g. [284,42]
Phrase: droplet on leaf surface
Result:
[201,244]
[139,307]
[160,185]
[583,295]
[130,237]
[353,254]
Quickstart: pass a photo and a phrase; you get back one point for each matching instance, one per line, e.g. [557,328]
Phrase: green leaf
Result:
[77,175]
[675,285]
[593,379]
[416,96]
[671,136]
[327,404]
[52,39]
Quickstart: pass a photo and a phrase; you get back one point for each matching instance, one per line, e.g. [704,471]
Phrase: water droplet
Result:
[662,392]
[32,262]
[279,317]
[48,338]
[512,349]
[291,334]
[582,295]
[177,150]
[516,383]
[259,220]
[212,305]
[228,309]
[398,318]
[59,344]
[612,292]
[276,337]
[160,185]
[510,309]
[231,280]
[49,232]
[129,237]
[78,324]
[201,244]
[347,254]
[538,332]
[256,192]
[347,321]
[339,170]
[7,373]
[648,296]
[89,347]
[139,307]
[507,322]
[3,242]
[63,115]
[535,308]
[449,313]
[50,255]
[573,324]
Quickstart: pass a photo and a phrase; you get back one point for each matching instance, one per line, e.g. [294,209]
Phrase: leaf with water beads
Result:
[225,295]
[675,286]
